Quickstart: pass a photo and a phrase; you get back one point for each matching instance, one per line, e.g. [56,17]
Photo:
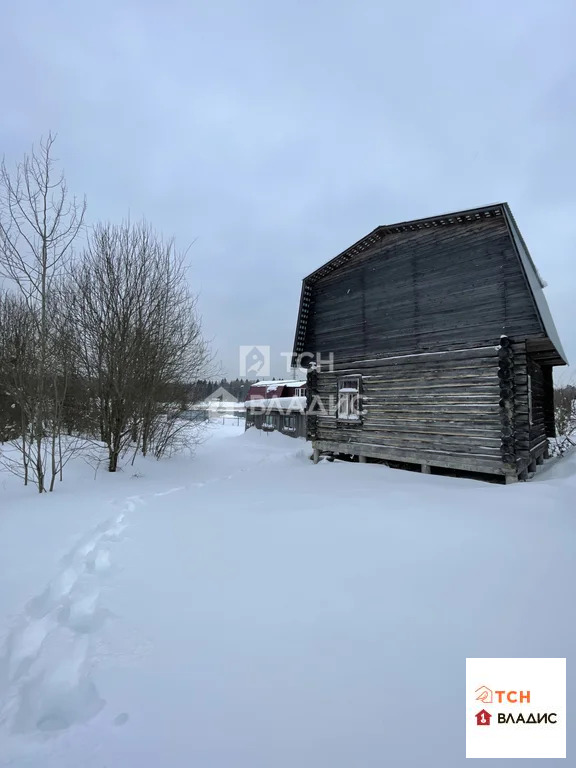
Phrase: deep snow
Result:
[248,609]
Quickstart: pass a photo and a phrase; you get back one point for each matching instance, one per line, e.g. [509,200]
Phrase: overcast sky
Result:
[273,135]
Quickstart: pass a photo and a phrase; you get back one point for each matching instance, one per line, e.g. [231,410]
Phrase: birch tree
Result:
[39,222]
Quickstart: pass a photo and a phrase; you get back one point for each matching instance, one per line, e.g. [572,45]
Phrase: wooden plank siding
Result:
[425,290]
[440,409]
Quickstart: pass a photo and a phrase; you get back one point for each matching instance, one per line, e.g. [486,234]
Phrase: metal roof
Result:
[535,283]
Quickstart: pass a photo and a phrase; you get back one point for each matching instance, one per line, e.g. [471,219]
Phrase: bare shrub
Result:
[138,337]
[565,416]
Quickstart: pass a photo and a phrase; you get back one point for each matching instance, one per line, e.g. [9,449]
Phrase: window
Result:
[349,398]
[289,424]
[530,399]
[300,392]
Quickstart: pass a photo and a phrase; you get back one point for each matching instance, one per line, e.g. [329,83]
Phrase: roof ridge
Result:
[413,224]
[447,215]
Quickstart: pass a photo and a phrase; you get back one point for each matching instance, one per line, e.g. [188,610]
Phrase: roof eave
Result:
[535,286]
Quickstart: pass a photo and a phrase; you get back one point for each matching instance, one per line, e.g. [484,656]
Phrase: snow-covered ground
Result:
[247,609]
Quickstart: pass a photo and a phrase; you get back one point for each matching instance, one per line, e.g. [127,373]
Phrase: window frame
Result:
[351,388]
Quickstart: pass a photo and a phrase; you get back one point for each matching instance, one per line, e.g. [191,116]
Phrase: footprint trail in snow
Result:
[45,665]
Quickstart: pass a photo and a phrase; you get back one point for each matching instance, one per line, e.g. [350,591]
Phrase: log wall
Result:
[438,409]
[531,420]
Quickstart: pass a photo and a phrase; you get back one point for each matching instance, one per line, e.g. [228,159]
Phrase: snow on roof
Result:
[218,406]
[277,403]
[283,382]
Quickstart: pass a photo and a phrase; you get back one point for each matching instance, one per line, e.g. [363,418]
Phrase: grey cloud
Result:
[273,136]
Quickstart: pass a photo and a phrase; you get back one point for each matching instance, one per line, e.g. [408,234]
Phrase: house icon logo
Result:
[484,694]
[254,360]
[483,717]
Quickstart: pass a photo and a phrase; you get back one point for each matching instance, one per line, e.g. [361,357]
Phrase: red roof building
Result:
[277,406]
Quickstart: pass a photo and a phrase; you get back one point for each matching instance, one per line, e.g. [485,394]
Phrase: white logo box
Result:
[544,679]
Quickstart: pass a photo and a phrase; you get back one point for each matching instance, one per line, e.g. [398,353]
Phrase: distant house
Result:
[222,404]
[442,347]
[221,395]
[277,405]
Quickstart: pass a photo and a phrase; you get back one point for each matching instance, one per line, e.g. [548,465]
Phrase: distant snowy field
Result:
[247,609]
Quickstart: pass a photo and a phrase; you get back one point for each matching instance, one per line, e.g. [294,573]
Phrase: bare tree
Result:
[18,366]
[138,336]
[39,223]
[565,416]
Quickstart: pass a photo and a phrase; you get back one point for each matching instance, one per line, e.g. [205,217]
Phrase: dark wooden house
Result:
[431,343]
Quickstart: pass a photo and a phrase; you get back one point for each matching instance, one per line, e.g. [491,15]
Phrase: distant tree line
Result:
[238,387]
[99,343]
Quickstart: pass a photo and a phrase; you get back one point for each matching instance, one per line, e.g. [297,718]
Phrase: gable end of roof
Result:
[497,210]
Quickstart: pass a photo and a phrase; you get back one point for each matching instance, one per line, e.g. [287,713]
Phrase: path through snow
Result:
[251,609]
[46,665]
